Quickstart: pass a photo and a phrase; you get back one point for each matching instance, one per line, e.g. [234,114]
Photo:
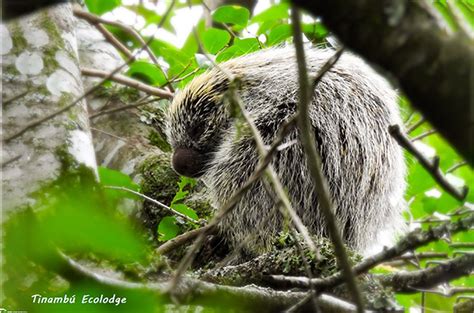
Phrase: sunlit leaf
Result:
[100,7]
[231,14]
[240,47]
[167,229]
[279,34]
[273,13]
[215,39]
[147,72]
[182,208]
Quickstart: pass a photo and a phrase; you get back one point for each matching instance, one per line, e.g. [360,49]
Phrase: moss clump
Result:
[158,182]
[19,42]
[157,139]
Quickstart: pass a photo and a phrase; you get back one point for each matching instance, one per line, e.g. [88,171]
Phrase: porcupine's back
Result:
[351,110]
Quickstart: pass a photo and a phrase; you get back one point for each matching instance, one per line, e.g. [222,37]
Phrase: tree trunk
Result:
[40,75]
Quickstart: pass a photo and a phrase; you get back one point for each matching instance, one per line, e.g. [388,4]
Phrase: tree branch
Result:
[130,82]
[431,166]
[427,278]
[193,291]
[313,157]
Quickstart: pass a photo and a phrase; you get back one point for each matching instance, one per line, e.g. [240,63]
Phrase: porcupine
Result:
[351,110]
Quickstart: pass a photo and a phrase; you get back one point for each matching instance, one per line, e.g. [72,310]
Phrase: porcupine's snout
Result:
[189,162]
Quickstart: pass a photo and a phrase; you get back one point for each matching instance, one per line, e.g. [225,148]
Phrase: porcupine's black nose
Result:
[188,162]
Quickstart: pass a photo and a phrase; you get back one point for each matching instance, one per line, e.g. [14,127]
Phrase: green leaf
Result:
[267,25]
[167,229]
[147,72]
[315,32]
[110,177]
[215,39]
[448,16]
[231,14]
[183,208]
[275,12]
[180,195]
[467,8]
[99,7]
[279,34]
[240,47]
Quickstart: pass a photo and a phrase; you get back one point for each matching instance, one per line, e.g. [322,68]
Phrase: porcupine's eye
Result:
[197,130]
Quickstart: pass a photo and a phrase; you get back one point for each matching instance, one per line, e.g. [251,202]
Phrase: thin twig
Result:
[180,240]
[164,206]
[313,156]
[97,20]
[456,166]
[415,125]
[121,108]
[423,135]
[14,98]
[111,135]
[130,82]
[11,160]
[432,166]
[427,278]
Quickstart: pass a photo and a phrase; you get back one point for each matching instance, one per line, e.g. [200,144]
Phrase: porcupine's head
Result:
[196,122]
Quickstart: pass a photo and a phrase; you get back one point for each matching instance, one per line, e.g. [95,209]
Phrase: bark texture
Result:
[40,72]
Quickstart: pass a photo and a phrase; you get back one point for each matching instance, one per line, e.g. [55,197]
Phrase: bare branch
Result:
[456,166]
[164,206]
[130,82]
[415,125]
[430,277]
[16,97]
[432,166]
[313,157]
[121,108]
[182,239]
[423,135]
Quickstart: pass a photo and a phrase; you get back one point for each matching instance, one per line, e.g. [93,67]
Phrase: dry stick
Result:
[177,241]
[456,166]
[432,166]
[111,135]
[423,135]
[11,160]
[121,108]
[114,41]
[164,206]
[313,156]
[430,277]
[415,125]
[91,90]
[411,241]
[14,98]
[130,82]
[96,20]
